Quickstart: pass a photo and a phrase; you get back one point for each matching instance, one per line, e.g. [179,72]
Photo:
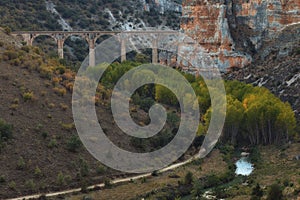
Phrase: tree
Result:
[188,179]
[257,192]
[5,130]
[164,95]
[275,192]
[197,189]
[234,117]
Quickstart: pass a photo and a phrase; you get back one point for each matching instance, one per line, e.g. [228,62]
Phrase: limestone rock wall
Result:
[233,30]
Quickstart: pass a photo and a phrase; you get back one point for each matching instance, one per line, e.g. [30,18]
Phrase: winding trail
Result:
[101,185]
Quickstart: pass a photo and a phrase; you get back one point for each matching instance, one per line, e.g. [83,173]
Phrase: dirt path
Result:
[101,185]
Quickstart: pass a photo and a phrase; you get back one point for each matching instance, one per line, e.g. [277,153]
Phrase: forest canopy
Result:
[254,115]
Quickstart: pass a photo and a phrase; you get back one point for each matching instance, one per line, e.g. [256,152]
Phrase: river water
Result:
[243,167]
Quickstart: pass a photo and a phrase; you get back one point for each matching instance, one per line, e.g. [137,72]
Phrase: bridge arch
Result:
[74,41]
[34,36]
[47,43]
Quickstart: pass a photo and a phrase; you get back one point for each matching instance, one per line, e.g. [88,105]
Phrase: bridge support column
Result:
[28,39]
[92,55]
[154,52]
[60,44]
[123,49]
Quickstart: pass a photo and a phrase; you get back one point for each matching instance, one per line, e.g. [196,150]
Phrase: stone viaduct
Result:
[91,38]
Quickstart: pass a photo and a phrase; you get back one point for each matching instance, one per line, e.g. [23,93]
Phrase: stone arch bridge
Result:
[91,38]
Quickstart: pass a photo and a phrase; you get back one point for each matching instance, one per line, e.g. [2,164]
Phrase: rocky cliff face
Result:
[161,5]
[277,67]
[232,31]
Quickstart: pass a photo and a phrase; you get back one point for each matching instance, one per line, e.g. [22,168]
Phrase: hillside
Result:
[89,15]
[43,133]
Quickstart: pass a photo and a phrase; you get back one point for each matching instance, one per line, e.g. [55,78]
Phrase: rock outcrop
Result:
[161,5]
[276,66]
[232,31]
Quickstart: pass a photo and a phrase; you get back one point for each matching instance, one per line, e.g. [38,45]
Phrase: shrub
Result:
[74,144]
[26,48]
[154,173]
[60,180]
[55,81]
[188,179]
[16,101]
[60,91]
[12,185]
[51,105]
[52,144]
[5,130]
[37,172]
[2,179]
[257,192]
[275,192]
[27,96]
[10,55]
[101,169]
[69,86]
[68,127]
[29,184]
[44,135]
[7,30]
[21,165]
[84,167]
[107,183]
[64,107]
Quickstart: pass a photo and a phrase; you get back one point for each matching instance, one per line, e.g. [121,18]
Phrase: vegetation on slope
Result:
[81,15]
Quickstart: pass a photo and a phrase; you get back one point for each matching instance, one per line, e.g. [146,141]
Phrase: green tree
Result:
[257,193]
[188,179]
[234,116]
[275,192]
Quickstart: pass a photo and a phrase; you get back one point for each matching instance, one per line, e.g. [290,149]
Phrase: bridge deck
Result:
[99,32]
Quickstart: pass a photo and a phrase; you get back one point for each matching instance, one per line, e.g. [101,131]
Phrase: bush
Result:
[52,144]
[107,183]
[60,91]
[257,192]
[5,131]
[2,179]
[188,179]
[101,170]
[84,167]
[64,107]
[26,48]
[7,30]
[275,192]
[37,172]
[60,180]
[29,184]
[10,55]
[27,96]
[74,144]
[12,185]
[68,127]
[21,165]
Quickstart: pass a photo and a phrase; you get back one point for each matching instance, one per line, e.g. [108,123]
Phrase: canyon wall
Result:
[232,31]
